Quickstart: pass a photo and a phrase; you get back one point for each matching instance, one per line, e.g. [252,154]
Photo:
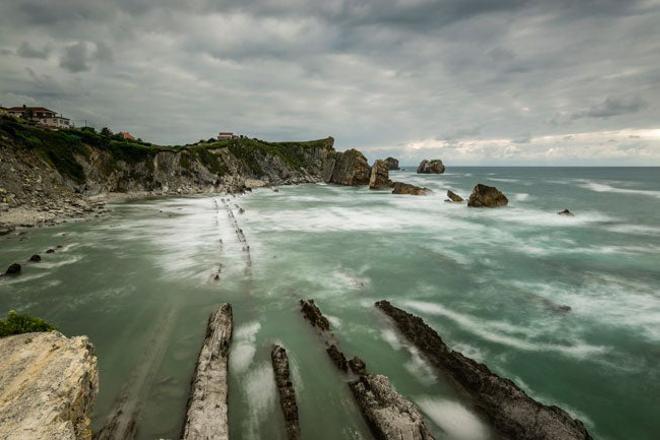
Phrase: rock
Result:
[312,313]
[486,197]
[392,163]
[453,196]
[13,269]
[287,393]
[357,366]
[512,412]
[351,168]
[48,384]
[406,188]
[434,166]
[254,183]
[50,251]
[337,357]
[35,258]
[206,416]
[566,212]
[379,176]
[389,415]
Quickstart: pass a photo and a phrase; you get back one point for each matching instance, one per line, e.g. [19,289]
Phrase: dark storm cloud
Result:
[463,79]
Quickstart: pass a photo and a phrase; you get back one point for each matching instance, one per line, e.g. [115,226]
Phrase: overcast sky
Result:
[473,82]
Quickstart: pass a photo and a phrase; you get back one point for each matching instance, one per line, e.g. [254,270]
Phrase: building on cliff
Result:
[226,135]
[41,115]
[126,136]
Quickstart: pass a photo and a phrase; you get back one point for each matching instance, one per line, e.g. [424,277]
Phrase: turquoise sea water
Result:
[491,282]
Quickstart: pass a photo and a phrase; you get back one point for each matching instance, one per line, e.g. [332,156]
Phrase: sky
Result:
[472,82]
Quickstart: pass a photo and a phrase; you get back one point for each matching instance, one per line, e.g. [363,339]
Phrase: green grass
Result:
[16,323]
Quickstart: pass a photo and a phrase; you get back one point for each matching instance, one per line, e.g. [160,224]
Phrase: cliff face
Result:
[48,384]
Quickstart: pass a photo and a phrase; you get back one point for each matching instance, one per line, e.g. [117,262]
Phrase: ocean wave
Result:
[244,347]
[455,419]
[603,187]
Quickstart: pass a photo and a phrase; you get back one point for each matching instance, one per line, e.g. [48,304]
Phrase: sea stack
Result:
[487,197]
[392,163]
[433,166]
[379,176]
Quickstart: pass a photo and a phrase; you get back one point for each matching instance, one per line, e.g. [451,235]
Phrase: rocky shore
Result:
[512,412]
[48,384]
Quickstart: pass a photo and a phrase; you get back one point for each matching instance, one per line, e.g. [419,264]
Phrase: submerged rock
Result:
[50,251]
[434,166]
[566,212]
[287,393]
[486,197]
[453,196]
[35,258]
[406,188]
[338,358]
[392,163]
[513,413]
[380,178]
[351,168]
[206,416]
[312,313]
[48,384]
[389,415]
[13,269]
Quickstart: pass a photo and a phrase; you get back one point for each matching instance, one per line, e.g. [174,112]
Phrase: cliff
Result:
[48,384]
[53,173]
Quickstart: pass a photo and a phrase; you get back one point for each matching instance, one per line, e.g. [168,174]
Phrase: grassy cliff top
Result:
[60,148]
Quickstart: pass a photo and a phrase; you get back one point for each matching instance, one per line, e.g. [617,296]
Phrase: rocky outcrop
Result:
[206,416]
[312,313]
[392,163]
[380,178]
[350,168]
[389,415]
[406,188]
[512,412]
[13,269]
[566,213]
[486,197]
[48,384]
[337,358]
[454,197]
[433,166]
[287,393]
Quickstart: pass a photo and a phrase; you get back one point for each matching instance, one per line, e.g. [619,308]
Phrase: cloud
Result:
[79,57]
[26,50]
[614,107]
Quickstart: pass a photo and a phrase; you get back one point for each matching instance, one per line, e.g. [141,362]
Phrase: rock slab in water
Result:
[287,393]
[351,168]
[312,313]
[486,197]
[13,269]
[434,166]
[406,188]
[512,412]
[206,416]
[566,212]
[338,358]
[389,415]
[48,384]
[380,178]
[453,196]
[392,163]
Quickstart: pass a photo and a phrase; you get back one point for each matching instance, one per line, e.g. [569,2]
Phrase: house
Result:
[41,116]
[3,111]
[226,135]
[126,136]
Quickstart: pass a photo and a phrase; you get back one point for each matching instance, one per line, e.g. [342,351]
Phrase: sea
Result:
[568,307]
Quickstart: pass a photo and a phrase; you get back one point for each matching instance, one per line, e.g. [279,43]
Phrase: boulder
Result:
[380,178]
[392,163]
[389,415]
[312,313]
[35,258]
[453,196]
[406,188]
[48,384]
[351,168]
[50,251]
[513,413]
[566,212]
[357,366]
[13,269]
[433,166]
[337,357]
[486,197]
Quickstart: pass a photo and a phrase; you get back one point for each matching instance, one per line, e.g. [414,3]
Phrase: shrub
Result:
[16,323]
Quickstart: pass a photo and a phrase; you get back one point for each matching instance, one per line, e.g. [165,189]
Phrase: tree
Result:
[105,131]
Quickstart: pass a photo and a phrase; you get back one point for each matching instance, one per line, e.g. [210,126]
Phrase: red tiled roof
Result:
[34,109]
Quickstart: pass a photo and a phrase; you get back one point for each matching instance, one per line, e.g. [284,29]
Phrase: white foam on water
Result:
[521,197]
[391,338]
[244,347]
[416,365]
[350,280]
[336,322]
[455,419]
[502,179]
[603,187]
[53,264]
[635,229]
[505,333]
[260,394]
[8,280]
